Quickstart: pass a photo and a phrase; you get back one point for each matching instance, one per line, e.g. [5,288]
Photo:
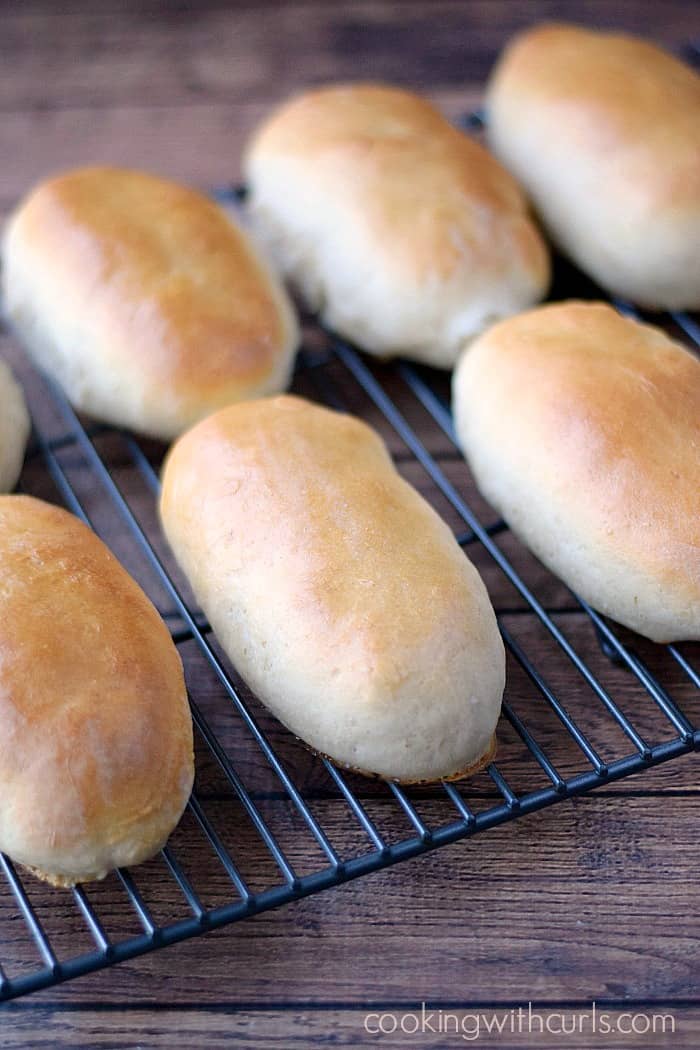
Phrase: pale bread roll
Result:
[401,231]
[336,590]
[603,131]
[582,428]
[14,429]
[96,760]
[144,300]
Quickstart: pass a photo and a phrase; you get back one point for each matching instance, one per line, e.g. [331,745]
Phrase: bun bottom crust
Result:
[64,882]
[469,771]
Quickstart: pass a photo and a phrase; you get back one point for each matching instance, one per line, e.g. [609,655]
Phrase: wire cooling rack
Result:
[586,703]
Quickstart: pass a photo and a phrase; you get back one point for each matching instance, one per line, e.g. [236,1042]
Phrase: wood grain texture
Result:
[107,55]
[344,1027]
[589,893]
[593,898]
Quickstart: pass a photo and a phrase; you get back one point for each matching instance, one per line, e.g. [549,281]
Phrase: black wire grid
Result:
[420,819]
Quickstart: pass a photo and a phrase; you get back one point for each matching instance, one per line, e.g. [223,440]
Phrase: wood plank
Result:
[302,1028]
[594,898]
[202,53]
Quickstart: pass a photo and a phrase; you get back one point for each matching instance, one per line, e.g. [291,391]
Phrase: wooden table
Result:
[593,899]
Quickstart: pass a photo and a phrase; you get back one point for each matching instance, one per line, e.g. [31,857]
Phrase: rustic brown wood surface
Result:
[592,899]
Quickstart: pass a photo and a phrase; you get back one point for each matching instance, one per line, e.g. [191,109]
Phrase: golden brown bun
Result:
[405,234]
[603,131]
[96,760]
[335,589]
[14,429]
[582,427]
[144,300]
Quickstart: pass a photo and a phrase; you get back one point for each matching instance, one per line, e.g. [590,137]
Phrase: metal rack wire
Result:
[332,370]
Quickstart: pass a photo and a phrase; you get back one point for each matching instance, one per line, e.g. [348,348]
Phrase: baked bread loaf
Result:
[96,751]
[14,429]
[336,590]
[603,131]
[144,300]
[401,231]
[582,428]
